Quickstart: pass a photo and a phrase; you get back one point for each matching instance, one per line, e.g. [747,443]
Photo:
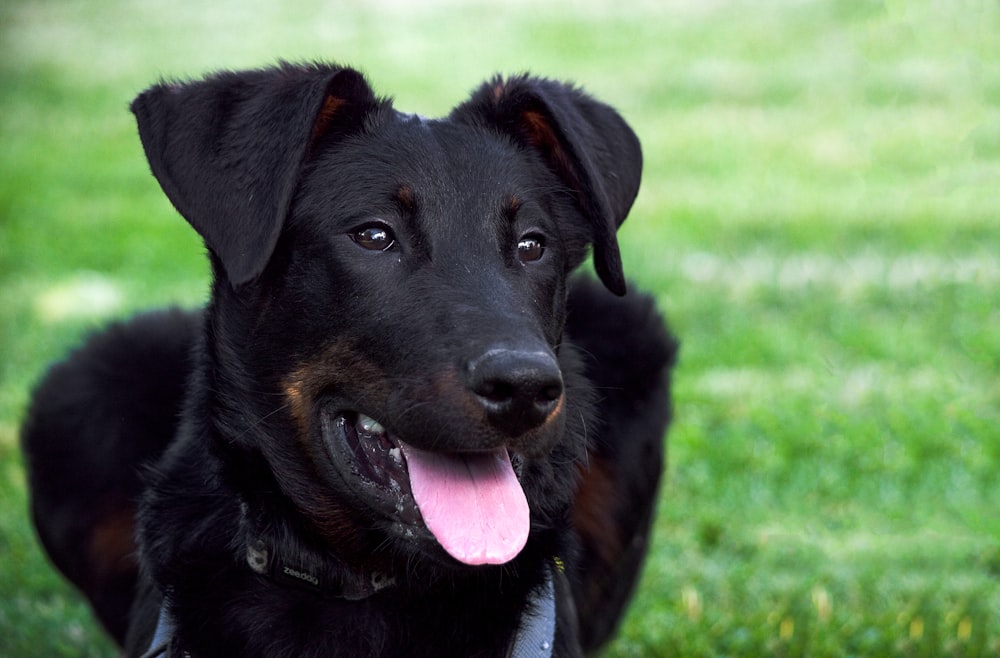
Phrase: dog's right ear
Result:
[228,150]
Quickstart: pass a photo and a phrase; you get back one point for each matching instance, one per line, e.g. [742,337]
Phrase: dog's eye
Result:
[530,248]
[374,237]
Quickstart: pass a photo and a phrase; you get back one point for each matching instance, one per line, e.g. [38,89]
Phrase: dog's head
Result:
[390,291]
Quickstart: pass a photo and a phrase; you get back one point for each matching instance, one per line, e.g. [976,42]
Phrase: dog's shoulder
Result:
[624,340]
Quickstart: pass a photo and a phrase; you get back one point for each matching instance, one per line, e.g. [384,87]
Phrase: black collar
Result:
[306,567]
[353,586]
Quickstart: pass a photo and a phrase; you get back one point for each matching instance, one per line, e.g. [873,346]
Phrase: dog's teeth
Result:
[370,425]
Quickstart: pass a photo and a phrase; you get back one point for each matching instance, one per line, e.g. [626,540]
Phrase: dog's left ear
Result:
[228,150]
[585,142]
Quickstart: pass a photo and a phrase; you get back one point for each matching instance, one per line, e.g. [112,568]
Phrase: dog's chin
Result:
[374,468]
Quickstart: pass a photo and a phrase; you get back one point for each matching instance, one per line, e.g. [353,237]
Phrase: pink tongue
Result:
[472,503]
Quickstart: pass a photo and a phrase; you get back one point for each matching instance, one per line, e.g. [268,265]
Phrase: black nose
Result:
[518,389]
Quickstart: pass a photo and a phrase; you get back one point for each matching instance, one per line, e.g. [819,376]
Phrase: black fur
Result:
[465,334]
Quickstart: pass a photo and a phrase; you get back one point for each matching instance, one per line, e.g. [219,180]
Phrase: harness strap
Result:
[162,636]
[537,631]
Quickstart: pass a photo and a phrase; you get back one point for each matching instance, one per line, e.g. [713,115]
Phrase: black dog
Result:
[399,428]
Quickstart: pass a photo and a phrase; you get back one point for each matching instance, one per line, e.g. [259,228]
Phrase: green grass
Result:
[819,218]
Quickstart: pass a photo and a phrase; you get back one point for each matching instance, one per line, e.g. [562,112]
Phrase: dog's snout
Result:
[518,389]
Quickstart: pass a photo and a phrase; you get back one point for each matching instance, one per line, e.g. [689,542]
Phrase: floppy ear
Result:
[228,150]
[585,142]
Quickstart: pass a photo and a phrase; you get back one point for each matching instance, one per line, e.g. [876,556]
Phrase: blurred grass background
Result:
[820,218]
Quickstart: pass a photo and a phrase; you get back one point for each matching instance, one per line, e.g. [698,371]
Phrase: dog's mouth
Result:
[472,503]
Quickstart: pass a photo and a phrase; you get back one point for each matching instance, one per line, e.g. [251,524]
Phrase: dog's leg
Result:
[95,420]
[627,354]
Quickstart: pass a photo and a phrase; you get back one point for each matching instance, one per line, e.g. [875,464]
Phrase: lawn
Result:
[819,218]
